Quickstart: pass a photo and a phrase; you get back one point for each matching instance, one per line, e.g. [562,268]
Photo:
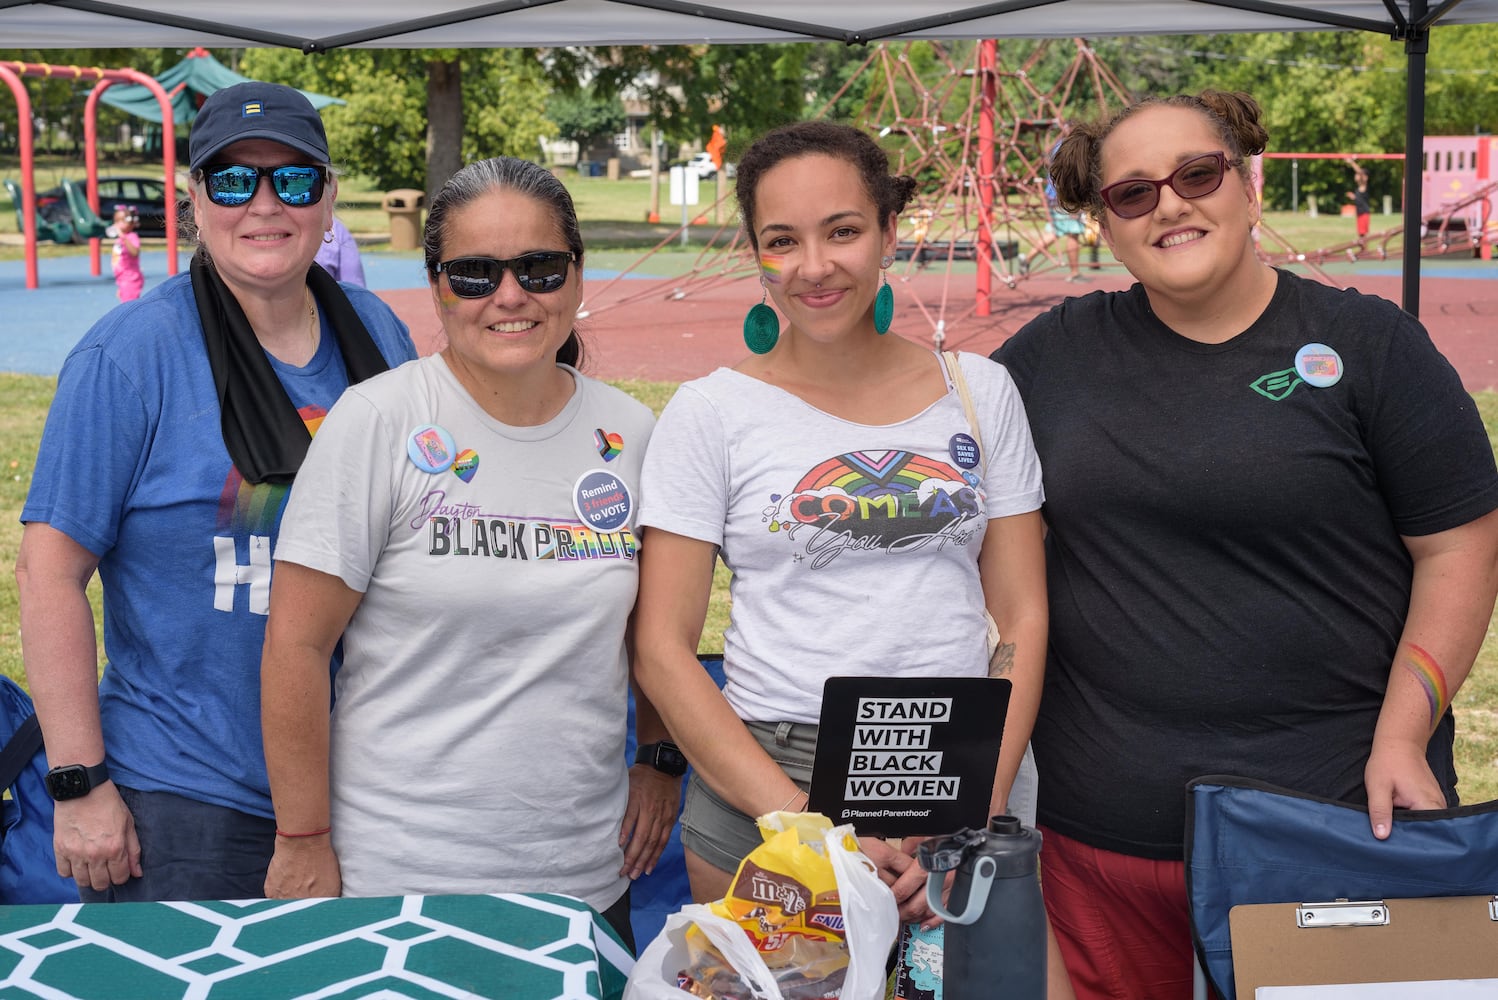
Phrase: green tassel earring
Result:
[761,328]
[884,303]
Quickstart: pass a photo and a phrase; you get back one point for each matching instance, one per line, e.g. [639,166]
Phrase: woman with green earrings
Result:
[871,497]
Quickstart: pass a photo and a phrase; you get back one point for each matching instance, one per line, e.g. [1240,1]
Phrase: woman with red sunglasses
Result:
[466,529]
[1271,545]
[179,424]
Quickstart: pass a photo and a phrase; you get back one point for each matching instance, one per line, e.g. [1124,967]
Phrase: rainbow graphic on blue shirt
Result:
[255,509]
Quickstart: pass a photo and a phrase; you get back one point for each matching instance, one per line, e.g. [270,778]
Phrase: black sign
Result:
[904,756]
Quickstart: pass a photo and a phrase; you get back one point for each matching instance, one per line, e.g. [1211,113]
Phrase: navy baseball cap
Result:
[255,110]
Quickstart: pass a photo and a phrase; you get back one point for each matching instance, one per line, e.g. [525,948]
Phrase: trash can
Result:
[404,206]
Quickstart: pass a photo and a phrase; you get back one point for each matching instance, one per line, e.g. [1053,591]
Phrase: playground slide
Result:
[86,225]
[57,232]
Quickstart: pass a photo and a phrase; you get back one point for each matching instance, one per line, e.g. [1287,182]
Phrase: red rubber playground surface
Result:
[641,329]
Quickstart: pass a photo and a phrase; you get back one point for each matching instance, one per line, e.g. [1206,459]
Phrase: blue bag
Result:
[654,897]
[1251,842]
[28,866]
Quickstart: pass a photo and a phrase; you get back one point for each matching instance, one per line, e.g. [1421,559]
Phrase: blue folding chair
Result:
[1251,842]
[665,890]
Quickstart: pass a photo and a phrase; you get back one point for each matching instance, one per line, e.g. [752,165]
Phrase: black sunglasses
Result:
[478,277]
[233,184]
[1196,178]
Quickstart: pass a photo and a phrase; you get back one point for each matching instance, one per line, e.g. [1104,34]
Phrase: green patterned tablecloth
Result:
[516,947]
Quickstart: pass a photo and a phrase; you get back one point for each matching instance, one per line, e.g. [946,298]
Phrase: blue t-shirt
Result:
[132,466]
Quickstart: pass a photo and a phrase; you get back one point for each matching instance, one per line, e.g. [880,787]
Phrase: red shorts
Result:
[1363,221]
[1122,922]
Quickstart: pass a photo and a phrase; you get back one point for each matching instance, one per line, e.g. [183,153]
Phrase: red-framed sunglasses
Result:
[1196,178]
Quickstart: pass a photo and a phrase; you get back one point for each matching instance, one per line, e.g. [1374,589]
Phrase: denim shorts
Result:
[719,833]
[192,850]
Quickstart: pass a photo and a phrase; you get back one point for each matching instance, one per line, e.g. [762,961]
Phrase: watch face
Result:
[68,782]
[670,759]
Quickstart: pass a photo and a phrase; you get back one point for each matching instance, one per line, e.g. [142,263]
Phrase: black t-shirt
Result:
[1226,576]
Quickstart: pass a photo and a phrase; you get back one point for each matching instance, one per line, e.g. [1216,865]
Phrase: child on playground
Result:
[125,258]
[1359,199]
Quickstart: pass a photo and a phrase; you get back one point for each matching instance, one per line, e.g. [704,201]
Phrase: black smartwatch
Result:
[665,756]
[74,781]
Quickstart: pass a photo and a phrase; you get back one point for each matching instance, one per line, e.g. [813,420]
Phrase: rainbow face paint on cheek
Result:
[446,297]
[770,266]
[1431,678]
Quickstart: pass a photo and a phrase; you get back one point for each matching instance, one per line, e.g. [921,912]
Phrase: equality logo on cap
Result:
[249,109]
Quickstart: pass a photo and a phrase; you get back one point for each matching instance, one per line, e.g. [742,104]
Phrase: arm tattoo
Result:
[1001,663]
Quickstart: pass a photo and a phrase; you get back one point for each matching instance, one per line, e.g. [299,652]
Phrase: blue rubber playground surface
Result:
[39,326]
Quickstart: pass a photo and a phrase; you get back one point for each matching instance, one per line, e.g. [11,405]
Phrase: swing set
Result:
[32,225]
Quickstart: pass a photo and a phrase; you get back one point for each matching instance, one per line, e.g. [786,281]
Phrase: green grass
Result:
[1477,702]
[23,410]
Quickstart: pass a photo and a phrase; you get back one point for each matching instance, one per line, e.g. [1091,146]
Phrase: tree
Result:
[415,115]
[690,88]
[583,117]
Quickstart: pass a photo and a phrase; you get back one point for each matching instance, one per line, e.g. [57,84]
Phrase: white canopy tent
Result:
[459,24]
[314,27]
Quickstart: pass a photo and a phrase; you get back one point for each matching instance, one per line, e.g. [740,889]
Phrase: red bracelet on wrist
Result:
[309,833]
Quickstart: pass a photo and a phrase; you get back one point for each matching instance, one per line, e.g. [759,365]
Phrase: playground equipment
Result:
[87,224]
[11,73]
[57,232]
[976,137]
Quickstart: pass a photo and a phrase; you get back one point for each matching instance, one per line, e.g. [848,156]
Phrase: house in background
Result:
[631,147]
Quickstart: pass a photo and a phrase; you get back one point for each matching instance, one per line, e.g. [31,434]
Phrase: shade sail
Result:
[454,23]
[192,79]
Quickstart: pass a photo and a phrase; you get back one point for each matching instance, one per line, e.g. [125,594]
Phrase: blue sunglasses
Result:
[232,185]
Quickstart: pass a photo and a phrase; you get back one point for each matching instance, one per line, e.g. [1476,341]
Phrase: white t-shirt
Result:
[478,730]
[854,548]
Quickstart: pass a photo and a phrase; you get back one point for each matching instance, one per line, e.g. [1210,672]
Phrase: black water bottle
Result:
[995,946]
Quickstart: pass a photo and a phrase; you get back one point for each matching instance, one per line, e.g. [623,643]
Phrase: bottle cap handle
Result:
[977,896]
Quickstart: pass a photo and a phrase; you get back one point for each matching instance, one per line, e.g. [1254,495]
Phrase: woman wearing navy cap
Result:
[179,423]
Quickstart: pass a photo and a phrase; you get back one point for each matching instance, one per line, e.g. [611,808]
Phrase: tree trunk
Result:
[444,123]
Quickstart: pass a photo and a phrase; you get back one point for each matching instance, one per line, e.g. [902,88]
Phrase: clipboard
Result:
[1372,941]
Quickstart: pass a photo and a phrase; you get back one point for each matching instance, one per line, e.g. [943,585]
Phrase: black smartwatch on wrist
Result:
[665,756]
[74,781]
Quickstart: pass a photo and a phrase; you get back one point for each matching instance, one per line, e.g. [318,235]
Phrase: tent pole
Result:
[1416,45]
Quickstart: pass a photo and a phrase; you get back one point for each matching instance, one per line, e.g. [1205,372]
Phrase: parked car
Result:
[144,194]
[703,166]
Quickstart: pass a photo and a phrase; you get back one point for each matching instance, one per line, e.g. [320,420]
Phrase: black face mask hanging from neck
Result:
[263,432]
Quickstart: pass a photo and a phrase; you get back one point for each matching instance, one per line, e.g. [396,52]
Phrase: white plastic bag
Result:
[870,914]
[870,917]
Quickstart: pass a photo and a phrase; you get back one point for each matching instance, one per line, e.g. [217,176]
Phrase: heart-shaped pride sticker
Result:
[609,445]
[466,464]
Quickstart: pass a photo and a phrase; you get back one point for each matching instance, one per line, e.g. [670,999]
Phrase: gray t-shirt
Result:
[479,726]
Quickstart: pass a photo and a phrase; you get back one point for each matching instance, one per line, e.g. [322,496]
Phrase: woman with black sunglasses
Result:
[179,423]
[1271,545]
[469,532]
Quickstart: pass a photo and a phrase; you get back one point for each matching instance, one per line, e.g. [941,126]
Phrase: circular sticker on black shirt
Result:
[1318,365]
[431,448]
[602,501]
[964,451]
